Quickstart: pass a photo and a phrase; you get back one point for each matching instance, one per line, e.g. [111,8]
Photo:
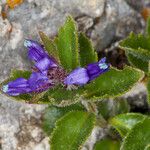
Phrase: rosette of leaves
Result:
[137,48]
[66,121]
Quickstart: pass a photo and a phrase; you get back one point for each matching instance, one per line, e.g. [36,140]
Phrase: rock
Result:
[20,125]
[5,26]
[137,98]
[96,135]
[137,5]
[116,23]
[104,21]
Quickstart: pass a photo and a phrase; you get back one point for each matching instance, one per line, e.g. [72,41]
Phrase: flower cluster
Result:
[47,73]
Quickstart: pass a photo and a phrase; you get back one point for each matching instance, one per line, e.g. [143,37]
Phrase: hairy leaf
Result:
[87,52]
[148,91]
[139,137]
[137,48]
[61,96]
[53,113]
[125,122]
[137,62]
[72,130]
[148,27]
[113,83]
[49,45]
[107,144]
[67,45]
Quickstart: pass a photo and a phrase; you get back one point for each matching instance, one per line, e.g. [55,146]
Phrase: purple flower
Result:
[35,50]
[47,73]
[16,87]
[78,76]
[38,80]
[96,69]
[37,54]
[81,76]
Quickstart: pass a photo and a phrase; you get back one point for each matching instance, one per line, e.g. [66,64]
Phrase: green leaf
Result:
[87,52]
[148,91]
[139,137]
[137,48]
[148,27]
[107,144]
[20,73]
[67,45]
[138,45]
[113,83]
[137,62]
[53,113]
[125,122]
[61,96]
[72,130]
[49,45]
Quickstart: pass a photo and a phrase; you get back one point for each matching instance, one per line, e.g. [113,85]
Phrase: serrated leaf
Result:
[137,62]
[148,91]
[87,53]
[139,137]
[125,122]
[137,48]
[72,130]
[67,45]
[137,45]
[107,144]
[113,83]
[49,45]
[53,113]
[61,96]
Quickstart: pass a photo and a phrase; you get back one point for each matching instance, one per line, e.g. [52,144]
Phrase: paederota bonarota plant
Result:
[47,73]
[67,74]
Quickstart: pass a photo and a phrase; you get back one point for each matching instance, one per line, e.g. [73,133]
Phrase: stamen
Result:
[57,75]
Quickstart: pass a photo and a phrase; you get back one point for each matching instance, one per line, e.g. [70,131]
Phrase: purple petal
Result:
[78,76]
[96,69]
[35,50]
[39,82]
[44,64]
[103,60]
[17,87]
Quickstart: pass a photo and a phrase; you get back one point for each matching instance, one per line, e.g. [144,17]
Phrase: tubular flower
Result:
[37,54]
[16,87]
[81,76]
[47,73]
[39,80]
